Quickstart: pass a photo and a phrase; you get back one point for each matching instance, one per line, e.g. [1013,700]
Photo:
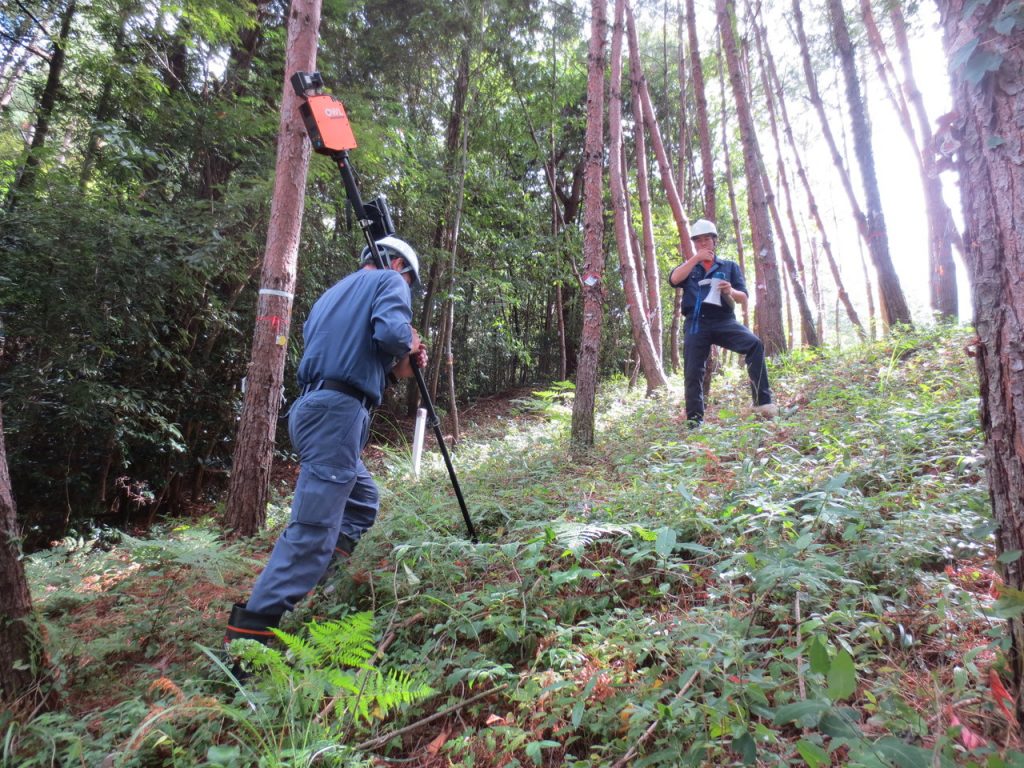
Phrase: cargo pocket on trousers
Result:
[320,495]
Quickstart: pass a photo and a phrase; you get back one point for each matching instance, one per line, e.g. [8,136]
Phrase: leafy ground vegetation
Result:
[819,590]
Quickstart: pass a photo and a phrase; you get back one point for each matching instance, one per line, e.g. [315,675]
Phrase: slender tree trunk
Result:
[684,134]
[646,354]
[664,166]
[652,277]
[768,289]
[989,104]
[23,660]
[582,430]
[730,187]
[246,509]
[453,238]
[812,203]
[894,304]
[701,102]
[47,102]
[808,329]
[942,229]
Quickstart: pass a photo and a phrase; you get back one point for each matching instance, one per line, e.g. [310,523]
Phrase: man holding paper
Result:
[711,288]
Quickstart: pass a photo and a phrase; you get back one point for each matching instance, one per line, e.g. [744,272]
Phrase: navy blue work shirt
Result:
[357,331]
[694,293]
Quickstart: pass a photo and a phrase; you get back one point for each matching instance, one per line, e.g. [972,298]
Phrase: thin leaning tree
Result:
[254,443]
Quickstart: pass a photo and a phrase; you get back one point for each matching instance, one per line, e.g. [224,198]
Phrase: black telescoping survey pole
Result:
[331,135]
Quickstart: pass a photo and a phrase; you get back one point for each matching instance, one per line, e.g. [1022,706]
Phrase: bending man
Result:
[356,334]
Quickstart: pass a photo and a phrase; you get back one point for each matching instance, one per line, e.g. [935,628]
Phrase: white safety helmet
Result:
[703,227]
[391,247]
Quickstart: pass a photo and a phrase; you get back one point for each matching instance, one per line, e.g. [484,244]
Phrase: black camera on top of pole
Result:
[331,134]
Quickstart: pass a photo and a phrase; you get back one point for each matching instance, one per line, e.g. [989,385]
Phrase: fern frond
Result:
[345,643]
[578,536]
[302,651]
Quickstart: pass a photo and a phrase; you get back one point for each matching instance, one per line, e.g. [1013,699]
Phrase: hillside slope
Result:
[817,590]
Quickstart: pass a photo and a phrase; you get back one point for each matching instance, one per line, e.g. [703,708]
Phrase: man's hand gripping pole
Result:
[331,135]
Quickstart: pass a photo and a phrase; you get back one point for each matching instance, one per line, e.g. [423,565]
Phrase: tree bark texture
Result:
[894,303]
[582,430]
[22,657]
[768,286]
[254,444]
[988,93]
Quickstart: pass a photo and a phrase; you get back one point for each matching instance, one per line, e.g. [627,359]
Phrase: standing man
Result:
[711,287]
[356,334]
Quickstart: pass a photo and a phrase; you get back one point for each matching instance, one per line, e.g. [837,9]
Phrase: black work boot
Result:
[249,625]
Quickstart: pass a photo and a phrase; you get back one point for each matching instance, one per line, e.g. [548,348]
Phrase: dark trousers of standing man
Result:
[700,335]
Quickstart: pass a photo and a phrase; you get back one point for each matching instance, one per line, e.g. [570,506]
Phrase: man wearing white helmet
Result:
[711,288]
[358,332]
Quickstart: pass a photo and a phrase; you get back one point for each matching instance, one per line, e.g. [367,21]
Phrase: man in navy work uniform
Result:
[357,333]
[711,287]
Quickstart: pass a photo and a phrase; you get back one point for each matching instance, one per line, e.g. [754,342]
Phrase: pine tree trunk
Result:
[658,145]
[942,230]
[894,303]
[648,359]
[246,509]
[734,211]
[768,288]
[989,103]
[651,282]
[812,203]
[582,430]
[22,658]
[707,163]
[808,328]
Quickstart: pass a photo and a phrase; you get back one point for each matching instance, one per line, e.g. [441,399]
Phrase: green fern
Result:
[578,536]
[334,661]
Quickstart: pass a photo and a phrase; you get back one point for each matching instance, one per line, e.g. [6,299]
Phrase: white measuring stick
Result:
[417,441]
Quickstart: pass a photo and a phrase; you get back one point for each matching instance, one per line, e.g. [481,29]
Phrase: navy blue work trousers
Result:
[700,335]
[334,496]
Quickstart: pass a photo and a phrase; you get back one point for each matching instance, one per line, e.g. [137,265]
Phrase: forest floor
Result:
[818,590]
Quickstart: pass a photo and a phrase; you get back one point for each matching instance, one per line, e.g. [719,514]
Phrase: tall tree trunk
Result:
[801,171]
[582,430]
[768,289]
[894,303]
[808,329]
[649,361]
[942,284]
[664,166]
[453,238]
[652,276]
[443,231]
[23,659]
[942,230]
[246,509]
[730,187]
[47,102]
[989,102]
[707,163]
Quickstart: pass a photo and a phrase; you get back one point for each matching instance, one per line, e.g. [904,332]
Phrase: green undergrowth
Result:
[813,591]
